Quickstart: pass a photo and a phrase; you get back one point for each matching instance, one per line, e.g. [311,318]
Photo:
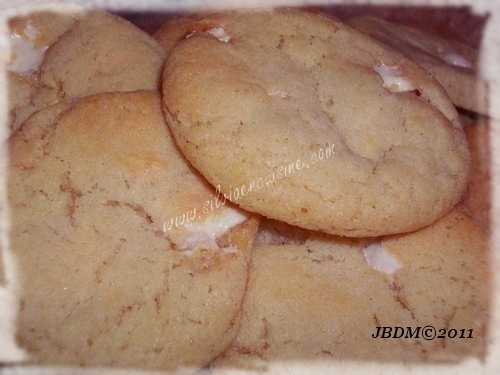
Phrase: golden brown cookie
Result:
[453,64]
[325,300]
[125,257]
[26,96]
[102,53]
[30,36]
[302,119]
[174,30]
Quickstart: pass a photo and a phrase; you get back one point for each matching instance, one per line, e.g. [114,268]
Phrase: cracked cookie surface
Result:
[249,94]
[92,183]
[26,96]
[30,36]
[102,53]
[323,299]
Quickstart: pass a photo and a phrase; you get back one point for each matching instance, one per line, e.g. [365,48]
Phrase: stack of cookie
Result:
[235,189]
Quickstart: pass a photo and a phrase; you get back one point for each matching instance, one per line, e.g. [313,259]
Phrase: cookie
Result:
[102,53]
[26,96]
[477,199]
[20,90]
[325,300]
[174,30]
[126,256]
[304,120]
[30,36]
[453,64]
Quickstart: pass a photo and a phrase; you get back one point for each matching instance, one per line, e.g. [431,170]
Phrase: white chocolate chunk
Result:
[219,33]
[25,57]
[457,60]
[204,234]
[380,259]
[393,78]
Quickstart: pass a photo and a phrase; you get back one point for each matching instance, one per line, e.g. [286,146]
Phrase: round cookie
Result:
[324,300]
[302,119]
[102,53]
[453,64]
[125,257]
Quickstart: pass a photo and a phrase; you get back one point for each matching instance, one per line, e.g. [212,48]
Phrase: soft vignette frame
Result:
[490,70]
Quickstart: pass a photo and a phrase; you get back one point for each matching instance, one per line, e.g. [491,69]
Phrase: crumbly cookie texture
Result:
[453,64]
[102,53]
[324,300]
[280,88]
[93,184]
